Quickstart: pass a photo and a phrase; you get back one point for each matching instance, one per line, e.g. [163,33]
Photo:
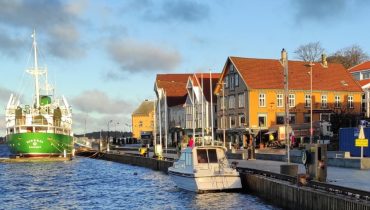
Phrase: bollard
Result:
[64,153]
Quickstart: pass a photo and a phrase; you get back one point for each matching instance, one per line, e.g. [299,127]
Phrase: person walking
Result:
[191,142]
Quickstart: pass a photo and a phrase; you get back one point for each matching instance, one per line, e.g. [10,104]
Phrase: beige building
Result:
[143,120]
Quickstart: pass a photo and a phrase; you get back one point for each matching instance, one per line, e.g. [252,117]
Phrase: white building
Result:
[170,90]
[361,73]
[199,113]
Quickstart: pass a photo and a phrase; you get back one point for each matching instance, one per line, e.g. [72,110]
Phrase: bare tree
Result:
[349,56]
[310,52]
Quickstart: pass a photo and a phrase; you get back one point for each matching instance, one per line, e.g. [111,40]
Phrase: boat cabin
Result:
[198,156]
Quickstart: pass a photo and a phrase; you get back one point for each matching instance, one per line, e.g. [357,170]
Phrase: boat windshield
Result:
[207,156]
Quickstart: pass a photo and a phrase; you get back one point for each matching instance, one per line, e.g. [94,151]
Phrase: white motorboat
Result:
[204,168]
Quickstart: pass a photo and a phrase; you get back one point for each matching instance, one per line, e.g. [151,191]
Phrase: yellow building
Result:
[251,95]
[143,120]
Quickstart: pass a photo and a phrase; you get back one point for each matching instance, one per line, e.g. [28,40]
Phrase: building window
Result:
[262,120]
[366,75]
[350,101]
[280,119]
[307,100]
[262,100]
[356,76]
[140,123]
[231,102]
[188,110]
[223,122]
[325,117]
[241,120]
[236,80]
[337,101]
[291,100]
[324,101]
[292,118]
[232,121]
[232,84]
[241,100]
[231,68]
[307,118]
[223,103]
[280,100]
[226,81]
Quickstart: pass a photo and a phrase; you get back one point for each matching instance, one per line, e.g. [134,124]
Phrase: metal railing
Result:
[335,189]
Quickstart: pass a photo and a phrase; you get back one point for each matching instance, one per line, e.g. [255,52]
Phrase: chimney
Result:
[324,63]
[283,56]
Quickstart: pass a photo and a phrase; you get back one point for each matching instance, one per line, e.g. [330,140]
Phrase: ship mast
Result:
[35,71]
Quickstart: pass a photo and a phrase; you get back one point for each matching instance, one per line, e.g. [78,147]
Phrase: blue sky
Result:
[103,56]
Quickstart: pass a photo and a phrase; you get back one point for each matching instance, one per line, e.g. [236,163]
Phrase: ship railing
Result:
[42,129]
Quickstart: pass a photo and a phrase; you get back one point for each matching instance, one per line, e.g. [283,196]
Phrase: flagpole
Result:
[211,95]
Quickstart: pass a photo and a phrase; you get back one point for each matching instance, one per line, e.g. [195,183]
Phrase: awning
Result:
[270,131]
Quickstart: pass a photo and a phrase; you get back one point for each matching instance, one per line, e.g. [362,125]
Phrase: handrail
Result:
[350,192]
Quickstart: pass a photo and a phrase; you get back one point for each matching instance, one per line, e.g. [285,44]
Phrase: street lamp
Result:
[109,122]
[311,73]
[115,130]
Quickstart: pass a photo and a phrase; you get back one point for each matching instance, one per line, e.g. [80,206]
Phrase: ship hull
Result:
[40,144]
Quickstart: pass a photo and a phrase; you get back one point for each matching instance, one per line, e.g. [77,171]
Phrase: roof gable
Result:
[360,67]
[145,108]
[174,86]
[268,74]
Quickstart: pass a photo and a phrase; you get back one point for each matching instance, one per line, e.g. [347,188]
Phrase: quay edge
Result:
[280,193]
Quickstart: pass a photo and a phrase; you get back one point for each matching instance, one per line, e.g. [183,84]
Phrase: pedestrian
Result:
[292,141]
[191,142]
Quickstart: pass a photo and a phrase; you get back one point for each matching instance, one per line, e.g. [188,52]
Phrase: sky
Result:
[103,56]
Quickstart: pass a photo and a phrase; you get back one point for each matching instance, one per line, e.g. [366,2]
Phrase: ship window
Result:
[202,156]
[212,156]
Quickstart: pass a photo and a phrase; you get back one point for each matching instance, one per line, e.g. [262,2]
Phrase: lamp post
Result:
[110,121]
[311,73]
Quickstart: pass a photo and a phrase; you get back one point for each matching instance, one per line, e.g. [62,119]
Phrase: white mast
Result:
[211,108]
[37,89]
[193,110]
[35,71]
[202,112]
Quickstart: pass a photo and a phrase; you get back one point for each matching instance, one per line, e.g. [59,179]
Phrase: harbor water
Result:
[85,183]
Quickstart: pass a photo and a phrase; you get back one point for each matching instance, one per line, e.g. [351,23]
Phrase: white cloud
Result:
[96,101]
[55,19]
[135,56]
[4,95]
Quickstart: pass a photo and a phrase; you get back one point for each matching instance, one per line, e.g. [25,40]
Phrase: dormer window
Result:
[236,80]
[366,75]
[231,68]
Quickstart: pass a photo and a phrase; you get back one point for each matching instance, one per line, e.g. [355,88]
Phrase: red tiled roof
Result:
[363,82]
[214,77]
[268,74]
[362,66]
[174,85]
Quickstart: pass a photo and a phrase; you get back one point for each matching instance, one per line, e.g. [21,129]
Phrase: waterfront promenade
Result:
[346,177]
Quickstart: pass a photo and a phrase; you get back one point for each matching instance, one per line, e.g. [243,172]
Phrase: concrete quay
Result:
[282,193]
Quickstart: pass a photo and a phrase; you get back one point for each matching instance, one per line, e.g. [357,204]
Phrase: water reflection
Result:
[95,184]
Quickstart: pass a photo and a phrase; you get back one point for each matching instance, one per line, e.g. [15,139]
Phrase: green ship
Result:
[44,127]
